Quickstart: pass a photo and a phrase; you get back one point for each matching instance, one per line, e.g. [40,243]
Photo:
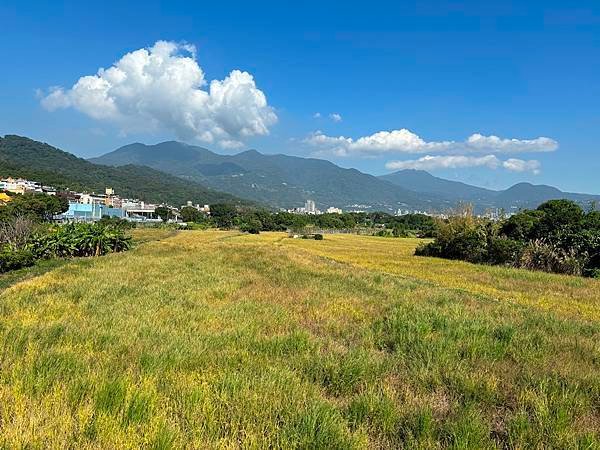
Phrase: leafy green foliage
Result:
[116,222]
[401,226]
[556,237]
[35,206]
[23,157]
[191,214]
[224,215]
[15,259]
[79,239]
[251,226]
[164,213]
[62,241]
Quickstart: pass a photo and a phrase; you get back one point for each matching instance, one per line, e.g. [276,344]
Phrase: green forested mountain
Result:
[277,180]
[287,181]
[23,157]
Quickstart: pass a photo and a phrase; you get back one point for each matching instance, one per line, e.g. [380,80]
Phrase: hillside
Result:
[23,157]
[287,181]
[521,195]
[209,339]
[421,181]
[278,180]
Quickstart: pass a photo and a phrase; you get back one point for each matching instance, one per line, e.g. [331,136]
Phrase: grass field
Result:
[219,340]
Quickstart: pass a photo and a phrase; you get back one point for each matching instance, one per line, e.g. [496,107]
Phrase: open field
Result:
[221,340]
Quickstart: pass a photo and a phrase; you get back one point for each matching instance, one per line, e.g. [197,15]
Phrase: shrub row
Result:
[557,237]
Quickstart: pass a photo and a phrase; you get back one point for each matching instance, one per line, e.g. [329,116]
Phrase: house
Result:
[20,185]
[85,212]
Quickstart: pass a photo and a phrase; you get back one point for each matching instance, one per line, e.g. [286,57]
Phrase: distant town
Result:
[93,206]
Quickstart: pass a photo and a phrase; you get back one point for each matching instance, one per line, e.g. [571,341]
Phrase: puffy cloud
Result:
[401,141]
[445,162]
[518,165]
[335,117]
[405,141]
[317,115]
[163,87]
[461,161]
[486,143]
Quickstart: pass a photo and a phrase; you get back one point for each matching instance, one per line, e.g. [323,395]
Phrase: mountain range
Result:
[26,158]
[288,181]
[280,181]
[172,172]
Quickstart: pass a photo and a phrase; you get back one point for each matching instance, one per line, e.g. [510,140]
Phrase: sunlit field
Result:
[212,339]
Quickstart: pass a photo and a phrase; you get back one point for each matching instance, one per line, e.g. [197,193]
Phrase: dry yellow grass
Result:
[214,339]
[563,294]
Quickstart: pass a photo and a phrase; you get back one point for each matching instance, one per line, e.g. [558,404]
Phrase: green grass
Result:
[218,340]
[41,267]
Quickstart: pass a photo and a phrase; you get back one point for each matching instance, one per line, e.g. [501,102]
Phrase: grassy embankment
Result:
[221,340]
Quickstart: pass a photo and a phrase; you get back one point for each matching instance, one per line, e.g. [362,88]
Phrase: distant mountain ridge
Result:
[287,181]
[24,157]
[521,195]
[278,180]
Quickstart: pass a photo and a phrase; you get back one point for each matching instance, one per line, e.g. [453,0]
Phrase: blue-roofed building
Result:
[81,212]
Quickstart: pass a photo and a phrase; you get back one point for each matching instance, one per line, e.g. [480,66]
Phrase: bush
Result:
[318,237]
[504,250]
[462,238]
[400,231]
[540,255]
[81,239]
[116,222]
[556,237]
[251,226]
[15,259]
[16,231]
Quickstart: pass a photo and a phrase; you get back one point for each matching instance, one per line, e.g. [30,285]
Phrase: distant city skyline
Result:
[488,94]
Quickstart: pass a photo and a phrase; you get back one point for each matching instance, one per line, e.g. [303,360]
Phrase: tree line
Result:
[254,220]
[558,236]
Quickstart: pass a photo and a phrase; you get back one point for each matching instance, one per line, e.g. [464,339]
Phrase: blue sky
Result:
[444,71]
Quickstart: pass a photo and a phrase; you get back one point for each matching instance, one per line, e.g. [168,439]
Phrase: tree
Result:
[191,214]
[164,213]
[592,220]
[223,214]
[559,216]
[522,225]
[40,207]
[251,226]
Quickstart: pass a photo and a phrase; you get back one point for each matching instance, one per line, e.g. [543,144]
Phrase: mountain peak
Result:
[251,152]
[287,181]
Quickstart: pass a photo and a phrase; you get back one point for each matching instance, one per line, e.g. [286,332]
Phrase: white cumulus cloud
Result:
[163,87]
[445,162]
[405,141]
[335,117]
[518,165]
[430,162]
[485,143]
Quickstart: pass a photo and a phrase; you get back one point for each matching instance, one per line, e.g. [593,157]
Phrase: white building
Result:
[333,210]
[91,199]
[309,207]
[20,185]
[203,209]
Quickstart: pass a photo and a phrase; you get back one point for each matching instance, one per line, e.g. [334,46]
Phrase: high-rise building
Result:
[310,207]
